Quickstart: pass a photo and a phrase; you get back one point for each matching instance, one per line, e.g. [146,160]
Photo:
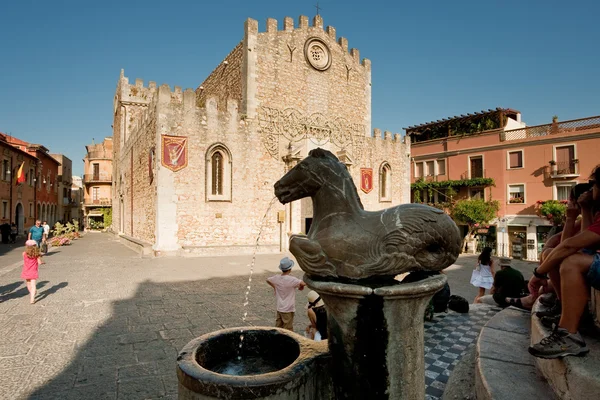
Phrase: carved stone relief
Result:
[295,126]
[317,54]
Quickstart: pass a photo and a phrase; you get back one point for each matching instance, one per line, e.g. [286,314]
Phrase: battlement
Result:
[303,24]
[136,92]
[389,136]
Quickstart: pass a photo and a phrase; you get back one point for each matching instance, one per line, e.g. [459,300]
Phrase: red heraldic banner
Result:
[366,179]
[174,152]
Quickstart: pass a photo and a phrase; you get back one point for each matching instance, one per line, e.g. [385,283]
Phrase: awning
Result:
[95,214]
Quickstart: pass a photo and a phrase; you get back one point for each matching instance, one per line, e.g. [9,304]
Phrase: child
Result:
[285,291]
[31,260]
[483,275]
[317,315]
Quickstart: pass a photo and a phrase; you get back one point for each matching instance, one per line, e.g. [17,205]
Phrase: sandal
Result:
[515,302]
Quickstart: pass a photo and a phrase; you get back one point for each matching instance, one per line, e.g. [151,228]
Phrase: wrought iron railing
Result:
[551,129]
[474,173]
[98,202]
[564,168]
[102,177]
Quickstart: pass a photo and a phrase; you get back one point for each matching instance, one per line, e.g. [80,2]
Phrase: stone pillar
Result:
[376,337]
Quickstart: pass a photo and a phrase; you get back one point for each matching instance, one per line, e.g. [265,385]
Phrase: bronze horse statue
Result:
[345,242]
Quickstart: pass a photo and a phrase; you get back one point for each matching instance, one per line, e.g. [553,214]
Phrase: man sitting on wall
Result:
[573,265]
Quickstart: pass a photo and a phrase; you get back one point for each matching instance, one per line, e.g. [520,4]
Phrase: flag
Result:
[21,174]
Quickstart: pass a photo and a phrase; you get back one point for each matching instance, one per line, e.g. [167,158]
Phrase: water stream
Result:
[251,265]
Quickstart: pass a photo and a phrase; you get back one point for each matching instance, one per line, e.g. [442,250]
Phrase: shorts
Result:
[593,275]
[285,320]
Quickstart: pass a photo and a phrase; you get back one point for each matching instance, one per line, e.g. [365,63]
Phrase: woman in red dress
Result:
[31,261]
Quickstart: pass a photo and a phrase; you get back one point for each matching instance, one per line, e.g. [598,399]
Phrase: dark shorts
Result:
[593,275]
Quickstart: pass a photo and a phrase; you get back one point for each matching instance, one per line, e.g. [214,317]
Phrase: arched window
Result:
[218,173]
[385,182]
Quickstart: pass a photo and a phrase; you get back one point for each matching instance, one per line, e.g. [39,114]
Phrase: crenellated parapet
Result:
[135,93]
[389,136]
[316,26]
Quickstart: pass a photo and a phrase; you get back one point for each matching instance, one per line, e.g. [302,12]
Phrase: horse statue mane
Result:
[322,153]
[347,243]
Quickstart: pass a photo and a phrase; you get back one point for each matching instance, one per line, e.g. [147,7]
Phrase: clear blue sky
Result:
[60,60]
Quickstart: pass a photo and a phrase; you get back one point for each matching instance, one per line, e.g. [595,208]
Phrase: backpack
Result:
[458,304]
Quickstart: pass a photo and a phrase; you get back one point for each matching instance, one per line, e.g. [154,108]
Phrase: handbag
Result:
[44,247]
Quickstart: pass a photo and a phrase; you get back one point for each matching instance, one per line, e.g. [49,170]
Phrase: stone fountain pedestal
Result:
[376,337]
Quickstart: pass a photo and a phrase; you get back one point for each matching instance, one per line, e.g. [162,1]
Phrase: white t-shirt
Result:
[46,229]
[285,291]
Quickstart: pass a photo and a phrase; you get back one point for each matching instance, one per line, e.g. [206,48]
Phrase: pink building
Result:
[526,164]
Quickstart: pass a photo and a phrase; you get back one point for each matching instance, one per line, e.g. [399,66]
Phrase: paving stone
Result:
[137,337]
[176,334]
[137,370]
[140,388]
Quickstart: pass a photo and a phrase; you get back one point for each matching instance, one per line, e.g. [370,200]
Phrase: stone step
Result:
[504,368]
[570,377]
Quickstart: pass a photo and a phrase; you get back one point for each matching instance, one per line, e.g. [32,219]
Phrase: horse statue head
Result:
[318,173]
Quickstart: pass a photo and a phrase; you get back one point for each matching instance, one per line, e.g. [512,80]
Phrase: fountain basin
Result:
[275,364]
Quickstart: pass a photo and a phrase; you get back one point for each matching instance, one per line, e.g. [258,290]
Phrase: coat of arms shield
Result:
[174,152]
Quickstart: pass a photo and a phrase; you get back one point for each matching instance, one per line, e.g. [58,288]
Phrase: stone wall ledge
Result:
[502,357]
[143,248]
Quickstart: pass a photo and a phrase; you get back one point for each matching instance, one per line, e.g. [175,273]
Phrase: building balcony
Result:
[566,169]
[571,126]
[97,178]
[474,174]
[104,202]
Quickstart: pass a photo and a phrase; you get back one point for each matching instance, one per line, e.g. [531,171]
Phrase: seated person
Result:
[509,285]
[317,314]
[575,263]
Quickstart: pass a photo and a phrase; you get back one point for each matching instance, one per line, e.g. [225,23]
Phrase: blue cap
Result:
[286,264]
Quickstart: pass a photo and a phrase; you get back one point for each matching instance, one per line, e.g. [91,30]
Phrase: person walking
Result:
[285,286]
[46,237]
[14,231]
[483,275]
[31,261]
[36,233]
[317,315]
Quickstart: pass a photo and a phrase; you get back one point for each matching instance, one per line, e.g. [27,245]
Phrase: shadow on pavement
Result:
[131,354]
[50,290]
[8,292]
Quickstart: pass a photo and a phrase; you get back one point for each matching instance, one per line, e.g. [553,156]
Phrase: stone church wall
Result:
[225,82]
[265,102]
[285,78]
[135,189]
[216,227]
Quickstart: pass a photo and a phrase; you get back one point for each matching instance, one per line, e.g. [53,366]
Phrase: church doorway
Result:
[19,217]
[307,224]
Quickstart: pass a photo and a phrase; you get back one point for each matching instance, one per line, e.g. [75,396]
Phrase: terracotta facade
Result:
[527,165]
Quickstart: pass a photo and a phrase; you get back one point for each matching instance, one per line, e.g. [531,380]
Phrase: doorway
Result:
[19,218]
[307,224]
[517,236]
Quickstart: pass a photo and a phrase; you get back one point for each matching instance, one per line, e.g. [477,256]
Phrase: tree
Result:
[474,213]
[554,210]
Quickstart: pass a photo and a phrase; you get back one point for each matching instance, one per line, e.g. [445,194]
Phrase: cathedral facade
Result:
[194,170]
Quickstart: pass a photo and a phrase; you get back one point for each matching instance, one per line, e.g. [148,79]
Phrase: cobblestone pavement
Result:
[109,324]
